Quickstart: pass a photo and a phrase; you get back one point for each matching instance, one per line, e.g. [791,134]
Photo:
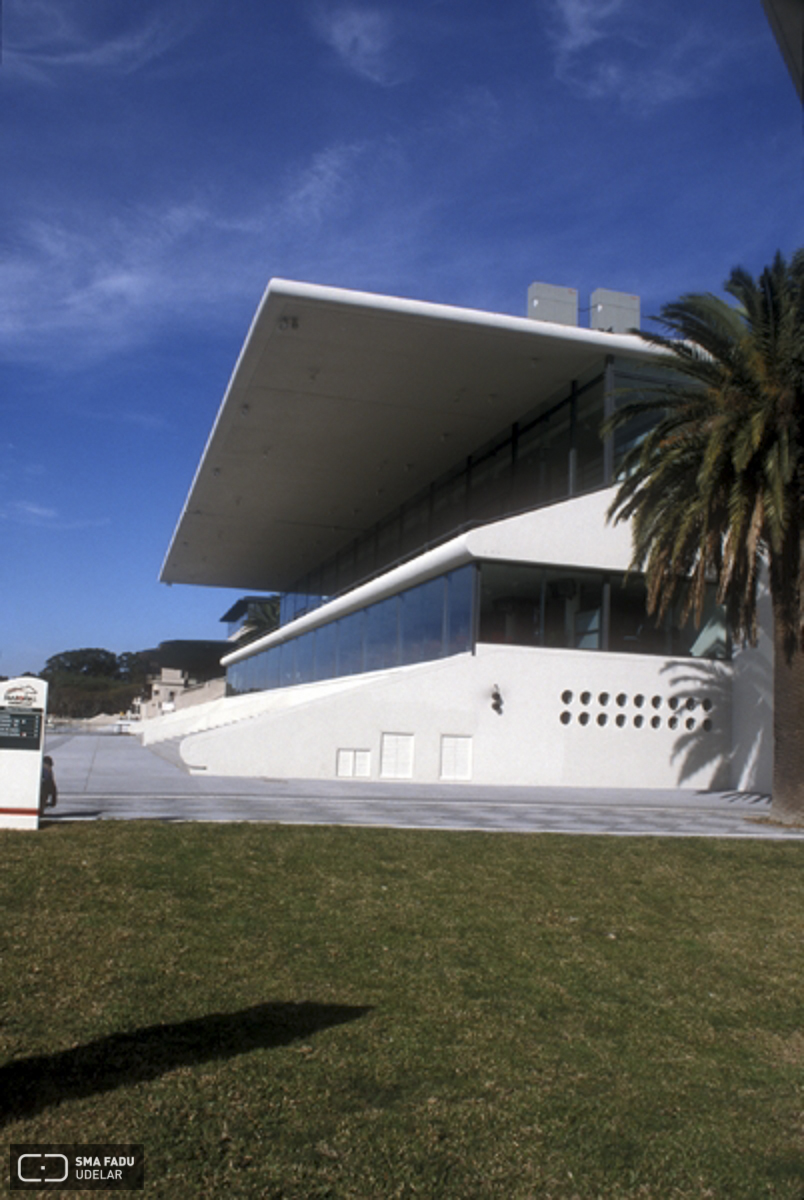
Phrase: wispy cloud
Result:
[27,512]
[323,184]
[582,23]
[93,283]
[363,38]
[612,50]
[45,38]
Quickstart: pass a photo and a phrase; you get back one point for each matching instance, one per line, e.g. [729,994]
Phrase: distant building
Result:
[427,488]
[188,673]
[251,615]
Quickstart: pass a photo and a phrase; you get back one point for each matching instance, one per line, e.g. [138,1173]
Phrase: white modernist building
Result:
[427,487]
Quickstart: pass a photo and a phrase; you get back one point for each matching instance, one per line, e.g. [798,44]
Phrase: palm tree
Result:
[715,490]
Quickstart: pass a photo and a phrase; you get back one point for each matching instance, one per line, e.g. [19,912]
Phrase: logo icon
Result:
[41,1170]
[89,1167]
[21,695]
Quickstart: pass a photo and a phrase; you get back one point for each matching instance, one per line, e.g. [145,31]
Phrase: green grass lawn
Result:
[314,1012]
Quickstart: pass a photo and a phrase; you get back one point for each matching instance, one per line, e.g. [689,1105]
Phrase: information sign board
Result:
[20,728]
[23,705]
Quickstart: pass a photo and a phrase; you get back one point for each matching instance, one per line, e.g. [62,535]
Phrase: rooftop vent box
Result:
[615,312]
[546,302]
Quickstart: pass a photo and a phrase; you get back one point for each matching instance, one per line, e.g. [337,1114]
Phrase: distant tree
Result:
[87,663]
[135,667]
[84,683]
[716,488]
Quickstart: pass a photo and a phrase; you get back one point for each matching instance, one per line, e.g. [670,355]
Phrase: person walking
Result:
[48,792]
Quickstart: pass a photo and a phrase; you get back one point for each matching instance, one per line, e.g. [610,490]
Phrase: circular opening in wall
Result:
[691,703]
[656,722]
[707,705]
[565,718]
[707,726]
[620,719]
[656,702]
[673,702]
[566,697]
[622,699]
[639,700]
[602,718]
[586,697]
[673,722]
[690,722]
[603,698]
[584,718]
[639,721]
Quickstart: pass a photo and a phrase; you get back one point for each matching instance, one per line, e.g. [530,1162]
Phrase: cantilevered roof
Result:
[786,19]
[344,404]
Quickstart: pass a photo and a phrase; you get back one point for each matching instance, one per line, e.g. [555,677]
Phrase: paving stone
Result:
[110,776]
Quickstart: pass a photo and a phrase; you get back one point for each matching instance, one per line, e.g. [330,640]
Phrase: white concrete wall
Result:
[394,721]
[569,533]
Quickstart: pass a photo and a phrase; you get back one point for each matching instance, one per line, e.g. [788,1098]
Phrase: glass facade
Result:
[517,604]
[635,382]
[527,605]
[433,620]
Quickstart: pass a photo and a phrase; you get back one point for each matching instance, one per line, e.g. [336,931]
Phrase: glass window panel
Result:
[632,383]
[287,663]
[415,524]
[350,643]
[460,600]
[234,679]
[542,461]
[271,667]
[381,635]
[526,467]
[588,442]
[554,461]
[251,673]
[490,478]
[587,617]
[388,538]
[294,604]
[710,639]
[329,576]
[448,504]
[422,621]
[573,609]
[305,646]
[631,630]
[345,567]
[326,649]
[510,603]
[365,555]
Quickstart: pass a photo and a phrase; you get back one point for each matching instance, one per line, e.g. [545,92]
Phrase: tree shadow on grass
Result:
[30,1085]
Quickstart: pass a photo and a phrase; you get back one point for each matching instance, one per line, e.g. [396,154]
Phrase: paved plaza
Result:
[106,775]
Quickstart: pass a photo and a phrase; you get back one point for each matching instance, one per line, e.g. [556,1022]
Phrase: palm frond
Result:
[716,486]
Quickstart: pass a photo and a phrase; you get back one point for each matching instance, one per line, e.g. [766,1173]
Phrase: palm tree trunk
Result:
[788,733]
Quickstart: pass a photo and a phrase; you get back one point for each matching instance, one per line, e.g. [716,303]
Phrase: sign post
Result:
[23,705]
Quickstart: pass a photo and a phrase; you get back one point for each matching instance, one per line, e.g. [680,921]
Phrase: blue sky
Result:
[163,160]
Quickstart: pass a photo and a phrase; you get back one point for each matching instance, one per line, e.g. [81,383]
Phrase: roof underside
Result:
[343,405]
